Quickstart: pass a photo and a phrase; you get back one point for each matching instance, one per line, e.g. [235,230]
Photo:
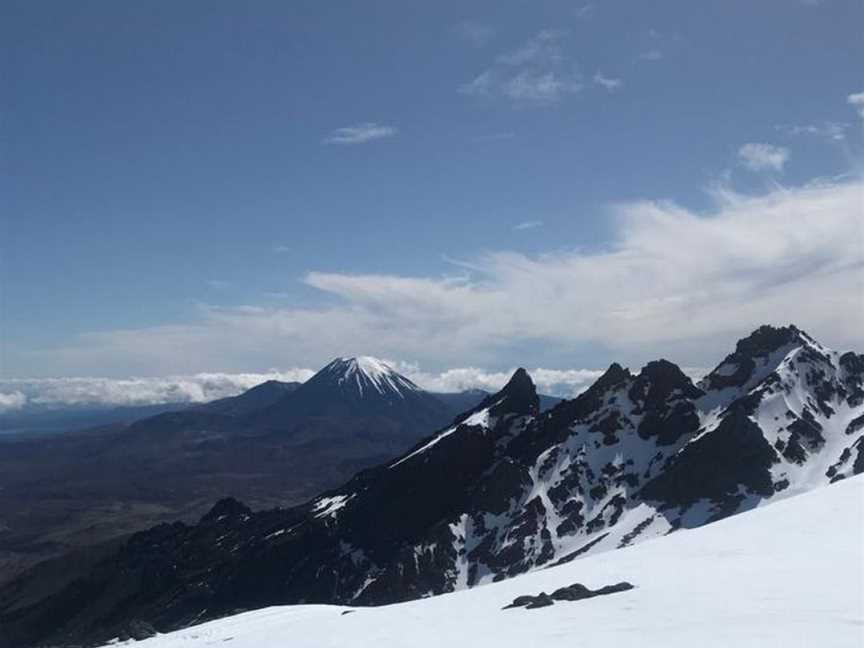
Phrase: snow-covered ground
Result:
[788,575]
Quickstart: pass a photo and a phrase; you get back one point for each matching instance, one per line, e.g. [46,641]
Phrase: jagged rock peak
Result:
[661,378]
[518,396]
[662,369]
[589,400]
[753,358]
[614,374]
[769,338]
[520,381]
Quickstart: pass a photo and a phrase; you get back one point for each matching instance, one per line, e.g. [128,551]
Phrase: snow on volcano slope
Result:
[367,373]
[789,575]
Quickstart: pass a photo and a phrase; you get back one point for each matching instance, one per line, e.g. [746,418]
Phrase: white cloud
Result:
[763,157]
[856,100]
[672,282]
[609,83]
[55,393]
[197,388]
[539,87]
[835,131]
[473,33]
[204,387]
[10,401]
[527,225]
[544,48]
[536,73]
[480,85]
[360,133]
[555,382]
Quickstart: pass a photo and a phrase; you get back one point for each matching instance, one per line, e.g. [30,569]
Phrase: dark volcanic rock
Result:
[715,466]
[574,592]
[665,396]
[614,589]
[539,601]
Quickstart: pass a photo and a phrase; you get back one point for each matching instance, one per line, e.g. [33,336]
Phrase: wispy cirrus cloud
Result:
[609,83]
[654,45]
[672,281]
[830,130]
[856,100]
[360,133]
[540,87]
[538,72]
[763,157]
[546,47]
[527,225]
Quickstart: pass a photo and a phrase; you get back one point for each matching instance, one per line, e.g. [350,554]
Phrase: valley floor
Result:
[787,575]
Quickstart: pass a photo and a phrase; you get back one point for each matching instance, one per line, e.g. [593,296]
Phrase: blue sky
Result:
[224,186]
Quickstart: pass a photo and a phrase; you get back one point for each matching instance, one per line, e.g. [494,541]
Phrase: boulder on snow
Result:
[574,592]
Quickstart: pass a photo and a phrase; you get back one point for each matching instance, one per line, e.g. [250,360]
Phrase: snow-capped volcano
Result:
[503,490]
[359,388]
[367,374]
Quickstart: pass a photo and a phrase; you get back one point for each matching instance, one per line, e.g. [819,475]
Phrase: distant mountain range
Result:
[275,444]
[58,419]
[503,489]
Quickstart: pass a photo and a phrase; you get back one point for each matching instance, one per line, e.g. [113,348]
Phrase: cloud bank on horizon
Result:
[16,394]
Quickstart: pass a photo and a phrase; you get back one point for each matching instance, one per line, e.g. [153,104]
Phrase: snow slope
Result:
[788,575]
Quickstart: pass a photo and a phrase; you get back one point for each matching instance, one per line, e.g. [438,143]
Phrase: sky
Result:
[214,187]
